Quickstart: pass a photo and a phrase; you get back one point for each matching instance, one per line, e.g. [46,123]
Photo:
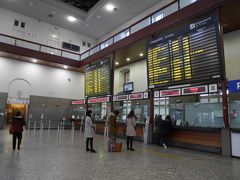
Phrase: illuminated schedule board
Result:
[186,54]
[97,78]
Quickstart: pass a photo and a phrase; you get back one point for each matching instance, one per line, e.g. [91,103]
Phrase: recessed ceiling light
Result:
[141,54]
[71,18]
[109,7]
[34,60]
[128,59]
[65,67]
[52,52]
[117,63]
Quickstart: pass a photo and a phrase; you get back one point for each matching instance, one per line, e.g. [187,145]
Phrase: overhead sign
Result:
[234,86]
[172,92]
[195,90]
[77,102]
[18,101]
[120,98]
[136,96]
[189,53]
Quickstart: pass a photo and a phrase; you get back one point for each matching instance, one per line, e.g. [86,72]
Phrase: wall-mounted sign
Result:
[77,102]
[213,88]
[102,99]
[171,92]
[234,86]
[18,101]
[195,90]
[120,98]
[156,94]
[93,100]
[189,53]
[136,96]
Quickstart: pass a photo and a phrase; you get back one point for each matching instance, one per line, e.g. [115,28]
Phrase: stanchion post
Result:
[28,125]
[34,128]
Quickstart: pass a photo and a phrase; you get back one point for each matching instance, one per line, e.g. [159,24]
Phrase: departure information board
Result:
[186,54]
[97,78]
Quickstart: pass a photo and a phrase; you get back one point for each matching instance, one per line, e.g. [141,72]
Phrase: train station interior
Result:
[173,63]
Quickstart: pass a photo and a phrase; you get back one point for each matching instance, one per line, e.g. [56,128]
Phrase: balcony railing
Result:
[172,7]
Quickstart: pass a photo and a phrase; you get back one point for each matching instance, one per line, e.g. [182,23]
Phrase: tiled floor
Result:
[40,159]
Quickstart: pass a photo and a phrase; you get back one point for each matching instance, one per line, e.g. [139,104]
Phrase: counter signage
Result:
[77,102]
[102,99]
[234,86]
[186,54]
[195,90]
[122,98]
[136,96]
[17,101]
[93,100]
[172,92]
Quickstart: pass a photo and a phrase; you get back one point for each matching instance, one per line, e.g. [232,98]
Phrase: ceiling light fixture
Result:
[128,59]
[117,63]
[71,19]
[110,7]
[141,54]
[34,60]
[65,67]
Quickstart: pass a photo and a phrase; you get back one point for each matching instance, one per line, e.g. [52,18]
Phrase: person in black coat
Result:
[165,127]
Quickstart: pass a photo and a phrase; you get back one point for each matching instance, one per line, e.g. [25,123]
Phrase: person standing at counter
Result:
[112,130]
[89,131]
[131,132]
[165,127]
[158,122]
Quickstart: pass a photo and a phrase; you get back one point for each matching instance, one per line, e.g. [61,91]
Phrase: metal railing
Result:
[154,17]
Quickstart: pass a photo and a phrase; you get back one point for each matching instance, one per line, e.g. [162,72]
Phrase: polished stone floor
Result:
[43,158]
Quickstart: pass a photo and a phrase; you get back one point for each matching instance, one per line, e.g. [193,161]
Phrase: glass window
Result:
[184,3]
[140,25]
[158,16]
[127,77]
[234,110]
[121,35]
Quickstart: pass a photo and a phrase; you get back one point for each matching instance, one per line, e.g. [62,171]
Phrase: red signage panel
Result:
[195,90]
[172,92]
[136,96]
[76,102]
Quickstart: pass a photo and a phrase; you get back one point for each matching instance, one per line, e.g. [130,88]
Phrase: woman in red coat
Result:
[17,129]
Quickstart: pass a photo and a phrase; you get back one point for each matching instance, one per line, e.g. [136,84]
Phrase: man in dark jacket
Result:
[17,129]
[165,127]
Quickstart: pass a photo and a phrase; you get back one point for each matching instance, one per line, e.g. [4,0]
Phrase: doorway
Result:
[11,109]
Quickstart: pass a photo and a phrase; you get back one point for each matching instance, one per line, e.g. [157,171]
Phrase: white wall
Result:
[135,19]
[38,31]
[232,55]
[45,81]
[138,75]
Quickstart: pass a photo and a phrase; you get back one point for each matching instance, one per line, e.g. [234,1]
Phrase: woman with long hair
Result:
[89,131]
[130,132]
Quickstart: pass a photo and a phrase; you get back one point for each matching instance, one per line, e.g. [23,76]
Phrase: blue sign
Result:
[234,86]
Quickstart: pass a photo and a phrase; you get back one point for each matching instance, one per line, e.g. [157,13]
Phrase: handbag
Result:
[11,129]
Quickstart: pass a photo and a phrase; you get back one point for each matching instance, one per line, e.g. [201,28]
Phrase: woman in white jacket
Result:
[89,131]
[130,132]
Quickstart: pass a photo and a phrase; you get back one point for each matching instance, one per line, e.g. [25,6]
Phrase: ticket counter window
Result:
[234,110]
[77,112]
[140,107]
[196,110]
[100,111]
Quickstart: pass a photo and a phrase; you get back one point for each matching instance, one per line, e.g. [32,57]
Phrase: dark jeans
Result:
[16,136]
[129,142]
[91,143]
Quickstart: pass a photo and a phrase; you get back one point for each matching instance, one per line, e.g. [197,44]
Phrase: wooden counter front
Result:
[121,129]
[207,139]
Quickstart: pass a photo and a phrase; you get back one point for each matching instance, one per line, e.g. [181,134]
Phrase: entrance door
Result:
[11,109]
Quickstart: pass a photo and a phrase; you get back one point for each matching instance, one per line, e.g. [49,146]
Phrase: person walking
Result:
[17,128]
[131,132]
[89,131]
[112,130]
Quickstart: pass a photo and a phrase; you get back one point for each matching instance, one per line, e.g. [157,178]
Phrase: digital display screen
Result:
[97,78]
[186,54]
[127,87]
